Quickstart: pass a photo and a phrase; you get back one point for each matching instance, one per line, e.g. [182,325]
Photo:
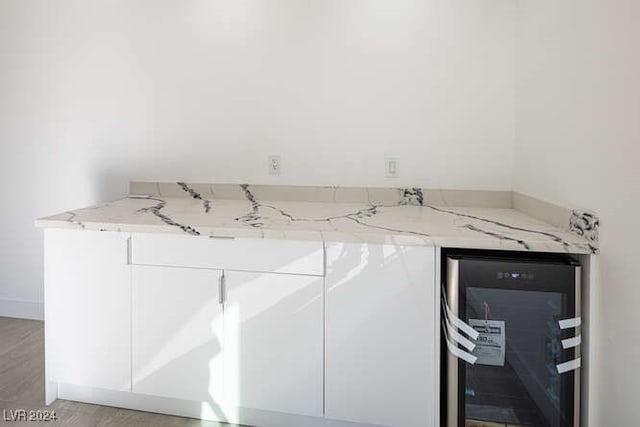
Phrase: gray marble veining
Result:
[290,193]
[586,224]
[375,215]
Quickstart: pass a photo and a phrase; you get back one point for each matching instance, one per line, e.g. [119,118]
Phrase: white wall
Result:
[578,142]
[95,93]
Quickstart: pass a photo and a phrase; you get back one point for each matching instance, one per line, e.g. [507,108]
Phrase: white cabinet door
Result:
[273,342]
[381,334]
[177,333]
[87,308]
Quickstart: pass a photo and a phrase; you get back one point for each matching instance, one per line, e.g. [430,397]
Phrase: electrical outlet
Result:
[274,165]
[392,167]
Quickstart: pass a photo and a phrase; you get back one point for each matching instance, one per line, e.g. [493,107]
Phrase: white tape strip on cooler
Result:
[457,337]
[571,342]
[459,323]
[459,353]
[571,365]
[570,323]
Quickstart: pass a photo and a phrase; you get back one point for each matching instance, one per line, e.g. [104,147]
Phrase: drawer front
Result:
[272,256]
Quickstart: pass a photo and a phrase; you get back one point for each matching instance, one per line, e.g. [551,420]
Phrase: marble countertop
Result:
[401,216]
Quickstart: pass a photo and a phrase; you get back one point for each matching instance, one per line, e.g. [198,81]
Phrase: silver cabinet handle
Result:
[221,289]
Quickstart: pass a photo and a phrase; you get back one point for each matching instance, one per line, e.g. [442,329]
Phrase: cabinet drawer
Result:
[272,256]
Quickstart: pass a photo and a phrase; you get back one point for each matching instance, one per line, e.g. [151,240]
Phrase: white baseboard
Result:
[21,309]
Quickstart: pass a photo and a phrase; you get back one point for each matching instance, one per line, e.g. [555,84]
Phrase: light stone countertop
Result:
[409,216]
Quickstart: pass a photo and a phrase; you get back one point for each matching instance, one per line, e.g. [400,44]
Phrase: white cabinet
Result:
[177,333]
[87,311]
[255,329]
[381,334]
[273,342]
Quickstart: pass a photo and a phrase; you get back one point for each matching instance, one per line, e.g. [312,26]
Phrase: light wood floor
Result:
[22,387]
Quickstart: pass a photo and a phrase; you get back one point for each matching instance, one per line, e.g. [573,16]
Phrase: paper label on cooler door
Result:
[491,344]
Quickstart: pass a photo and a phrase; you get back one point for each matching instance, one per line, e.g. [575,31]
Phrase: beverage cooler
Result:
[510,340]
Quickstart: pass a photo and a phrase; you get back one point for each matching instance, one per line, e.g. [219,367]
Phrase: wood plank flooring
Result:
[22,387]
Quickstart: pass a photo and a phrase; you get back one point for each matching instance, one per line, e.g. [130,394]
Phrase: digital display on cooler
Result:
[514,275]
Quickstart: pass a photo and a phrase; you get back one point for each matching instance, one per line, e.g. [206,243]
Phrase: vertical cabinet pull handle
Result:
[221,290]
